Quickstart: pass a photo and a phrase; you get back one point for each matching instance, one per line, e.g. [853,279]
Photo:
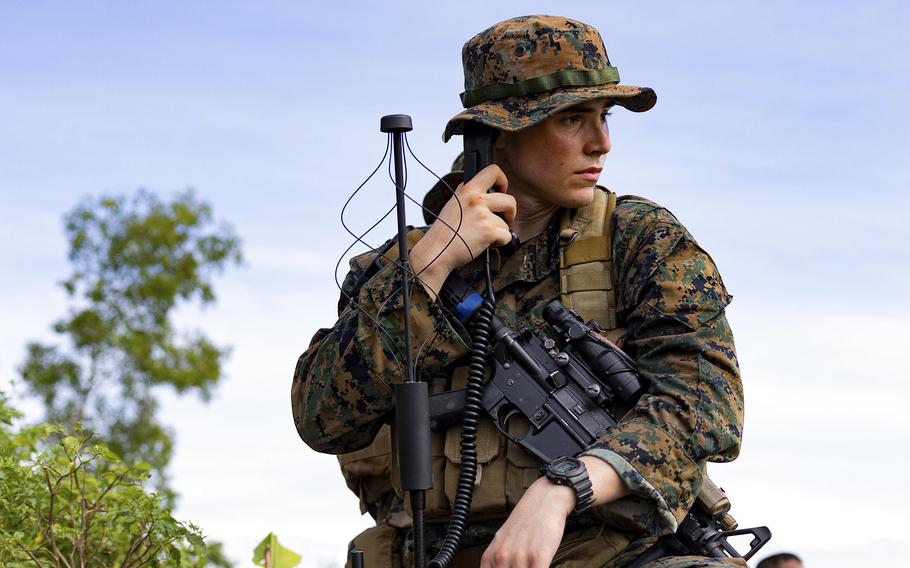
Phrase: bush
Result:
[65,501]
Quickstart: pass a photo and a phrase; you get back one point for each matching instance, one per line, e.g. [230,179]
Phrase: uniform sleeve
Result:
[342,388]
[673,299]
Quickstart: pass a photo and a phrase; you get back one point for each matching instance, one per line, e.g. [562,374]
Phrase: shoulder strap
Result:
[586,261]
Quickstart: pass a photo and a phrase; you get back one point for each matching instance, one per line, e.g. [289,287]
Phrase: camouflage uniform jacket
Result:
[670,298]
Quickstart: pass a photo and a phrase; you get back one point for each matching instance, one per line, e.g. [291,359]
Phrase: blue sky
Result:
[779,138]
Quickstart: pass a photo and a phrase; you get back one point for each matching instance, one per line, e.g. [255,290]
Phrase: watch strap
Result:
[580,482]
[584,493]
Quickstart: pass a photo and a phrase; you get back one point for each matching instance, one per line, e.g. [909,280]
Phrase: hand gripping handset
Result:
[478,154]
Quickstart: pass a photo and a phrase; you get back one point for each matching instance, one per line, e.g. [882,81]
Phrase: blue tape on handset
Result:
[466,308]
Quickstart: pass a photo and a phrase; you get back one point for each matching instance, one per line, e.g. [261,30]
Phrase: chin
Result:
[578,197]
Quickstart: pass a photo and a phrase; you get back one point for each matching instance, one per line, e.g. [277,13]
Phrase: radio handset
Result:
[478,154]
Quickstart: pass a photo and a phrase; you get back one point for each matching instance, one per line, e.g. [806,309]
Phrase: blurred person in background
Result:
[781,560]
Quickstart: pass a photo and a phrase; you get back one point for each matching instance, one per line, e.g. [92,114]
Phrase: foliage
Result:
[133,260]
[66,502]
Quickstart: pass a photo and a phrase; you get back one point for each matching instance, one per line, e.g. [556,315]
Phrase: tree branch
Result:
[31,556]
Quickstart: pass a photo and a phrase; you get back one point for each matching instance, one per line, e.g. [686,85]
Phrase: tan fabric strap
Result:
[588,280]
[586,262]
[587,250]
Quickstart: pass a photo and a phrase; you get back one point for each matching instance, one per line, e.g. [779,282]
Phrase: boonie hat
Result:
[523,70]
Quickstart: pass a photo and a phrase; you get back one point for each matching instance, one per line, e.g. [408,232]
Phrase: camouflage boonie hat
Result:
[523,70]
[439,195]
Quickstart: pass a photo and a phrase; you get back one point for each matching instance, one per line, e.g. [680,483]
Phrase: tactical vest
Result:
[505,470]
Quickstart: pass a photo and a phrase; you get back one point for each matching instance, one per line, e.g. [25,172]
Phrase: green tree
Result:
[65,502]
[134,260]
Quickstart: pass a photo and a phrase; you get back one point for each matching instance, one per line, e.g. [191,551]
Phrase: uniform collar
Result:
[532,262]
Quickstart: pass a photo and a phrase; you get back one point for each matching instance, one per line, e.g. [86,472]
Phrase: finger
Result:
[502,203]
[501,182]
[489,177]
[502,236]
[539,559]
[486,561]
[495,231]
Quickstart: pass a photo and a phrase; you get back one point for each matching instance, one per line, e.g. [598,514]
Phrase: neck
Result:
[532,216]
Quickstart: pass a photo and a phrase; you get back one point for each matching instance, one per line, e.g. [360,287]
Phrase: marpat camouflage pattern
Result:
[670,298]
[522,70]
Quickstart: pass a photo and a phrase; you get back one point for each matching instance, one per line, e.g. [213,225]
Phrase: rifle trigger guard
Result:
[504,426]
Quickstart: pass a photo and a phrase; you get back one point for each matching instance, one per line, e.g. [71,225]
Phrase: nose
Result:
[598,142]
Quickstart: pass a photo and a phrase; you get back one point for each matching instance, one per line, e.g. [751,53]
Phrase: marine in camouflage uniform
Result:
[670,301]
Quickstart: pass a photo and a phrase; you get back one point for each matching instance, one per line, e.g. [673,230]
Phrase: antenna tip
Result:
[396,123]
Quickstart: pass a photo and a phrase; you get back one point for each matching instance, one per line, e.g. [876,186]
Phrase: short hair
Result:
[776,559]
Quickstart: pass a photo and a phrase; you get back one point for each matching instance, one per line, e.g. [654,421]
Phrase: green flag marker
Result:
[272,555]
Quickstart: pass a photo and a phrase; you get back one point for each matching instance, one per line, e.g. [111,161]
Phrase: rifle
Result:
[564,381]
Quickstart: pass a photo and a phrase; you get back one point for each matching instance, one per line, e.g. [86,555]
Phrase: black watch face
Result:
[567,467]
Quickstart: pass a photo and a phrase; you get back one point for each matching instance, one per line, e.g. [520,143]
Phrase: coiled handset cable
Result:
[478,313]
[464,491]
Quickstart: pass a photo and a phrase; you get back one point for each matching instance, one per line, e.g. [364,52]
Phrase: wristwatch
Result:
[572,472]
